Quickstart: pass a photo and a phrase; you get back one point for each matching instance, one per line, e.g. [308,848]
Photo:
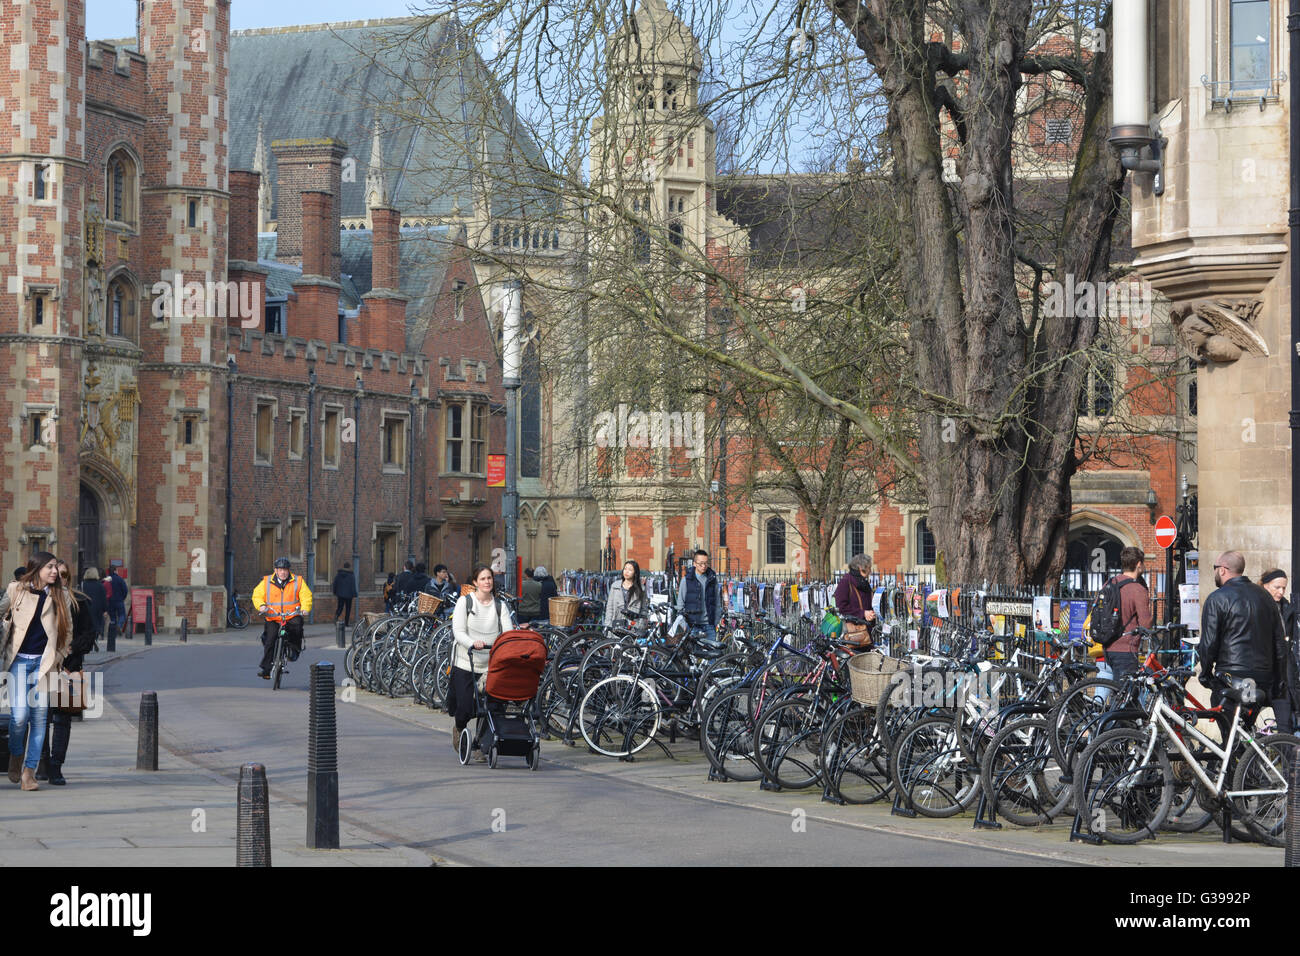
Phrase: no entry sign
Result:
[1165,531]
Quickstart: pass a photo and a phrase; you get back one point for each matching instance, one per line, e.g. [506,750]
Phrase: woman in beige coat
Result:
[37,612]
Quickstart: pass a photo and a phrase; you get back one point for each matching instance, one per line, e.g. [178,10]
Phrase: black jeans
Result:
[1122,663]
[292,631]
[344,607]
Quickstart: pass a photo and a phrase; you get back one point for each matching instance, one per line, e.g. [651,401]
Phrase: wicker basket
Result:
[869,675]
[427,603]
[374,617]
[564,610]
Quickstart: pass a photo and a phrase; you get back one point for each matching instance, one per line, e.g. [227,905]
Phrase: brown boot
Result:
[29,779]
[15,768]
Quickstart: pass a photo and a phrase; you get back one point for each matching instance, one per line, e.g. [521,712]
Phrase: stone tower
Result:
[42,216]
[185,213]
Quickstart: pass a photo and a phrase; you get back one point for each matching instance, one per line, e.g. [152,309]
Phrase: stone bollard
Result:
[338,633]
[148,622]
[253,818]
[112,635]
[185,630]
[1293,814]
[146,750]
[322,762]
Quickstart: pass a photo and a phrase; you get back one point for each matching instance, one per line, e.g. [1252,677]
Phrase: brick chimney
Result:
[383,323]
[306,165]
[317,210]
[241,262]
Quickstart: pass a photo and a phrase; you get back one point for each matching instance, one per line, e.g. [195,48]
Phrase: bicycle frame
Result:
[1161,716]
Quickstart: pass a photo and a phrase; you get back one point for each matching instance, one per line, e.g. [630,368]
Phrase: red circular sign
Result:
[1165,531]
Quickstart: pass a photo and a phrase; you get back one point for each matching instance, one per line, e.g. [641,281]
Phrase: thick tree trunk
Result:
[998,403]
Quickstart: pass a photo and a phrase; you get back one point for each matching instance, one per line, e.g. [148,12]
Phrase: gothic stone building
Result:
[367,355]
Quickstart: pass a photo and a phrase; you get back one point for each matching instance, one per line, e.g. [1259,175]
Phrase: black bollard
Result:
[1293,814]
[148,622]
[185,630]
[146,750]
[338,633]
[112,635]
[322,762]
[253,818]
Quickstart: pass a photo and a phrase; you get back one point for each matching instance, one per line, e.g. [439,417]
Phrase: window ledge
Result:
[393,470]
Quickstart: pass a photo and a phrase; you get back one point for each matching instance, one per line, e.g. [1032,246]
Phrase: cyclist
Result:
[285,599]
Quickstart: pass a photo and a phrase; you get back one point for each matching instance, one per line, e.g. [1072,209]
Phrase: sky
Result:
[113,19]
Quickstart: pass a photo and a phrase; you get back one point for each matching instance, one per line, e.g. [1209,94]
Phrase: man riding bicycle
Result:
[284,598]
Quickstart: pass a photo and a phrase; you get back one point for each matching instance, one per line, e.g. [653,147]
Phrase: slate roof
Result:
[327,80]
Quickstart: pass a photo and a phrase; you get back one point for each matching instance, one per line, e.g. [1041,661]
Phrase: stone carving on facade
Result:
[1220,330]
[108,419]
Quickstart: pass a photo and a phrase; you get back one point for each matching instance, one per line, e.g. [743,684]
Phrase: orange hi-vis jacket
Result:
[282,602]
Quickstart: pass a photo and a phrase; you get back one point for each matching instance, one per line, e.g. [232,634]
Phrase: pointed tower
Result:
[376,181]
[262,168]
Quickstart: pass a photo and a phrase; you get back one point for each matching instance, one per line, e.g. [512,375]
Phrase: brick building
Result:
[137,300]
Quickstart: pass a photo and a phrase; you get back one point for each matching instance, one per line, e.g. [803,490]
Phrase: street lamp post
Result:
[1293,220]
[410,476]
[230,456]
[356,489]
[309,531]
[511,354]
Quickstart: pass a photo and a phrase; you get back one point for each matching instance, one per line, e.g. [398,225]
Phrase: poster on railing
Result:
[1074,613]
[1189,605]
[1043,613]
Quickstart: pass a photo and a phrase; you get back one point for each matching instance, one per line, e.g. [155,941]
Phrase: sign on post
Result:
[496,471]
[1166,531]
[139,608]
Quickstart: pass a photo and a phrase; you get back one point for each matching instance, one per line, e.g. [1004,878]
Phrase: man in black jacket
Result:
[402,589]
[93,588]
[345,589]
[1241,633]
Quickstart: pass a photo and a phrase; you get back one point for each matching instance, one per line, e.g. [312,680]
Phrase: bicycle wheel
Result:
[597,664]
[727,735]
[930,770]
[1265,812]
[1186,815]
[984,695]
[619,716]
[1123,797]
[787,743]
[1019,776]
[236,618]
[722,674]
[782,672]
[1073,717]
[277,669]
[854,764]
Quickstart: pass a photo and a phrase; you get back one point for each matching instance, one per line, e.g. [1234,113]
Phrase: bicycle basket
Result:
[869,675]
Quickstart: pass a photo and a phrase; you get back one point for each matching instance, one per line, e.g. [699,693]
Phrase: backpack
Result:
[1106,625]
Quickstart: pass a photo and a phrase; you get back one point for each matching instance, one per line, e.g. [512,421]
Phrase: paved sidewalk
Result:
[111,814]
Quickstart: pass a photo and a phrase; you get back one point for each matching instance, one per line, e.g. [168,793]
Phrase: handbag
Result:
[857,633]
[69,692]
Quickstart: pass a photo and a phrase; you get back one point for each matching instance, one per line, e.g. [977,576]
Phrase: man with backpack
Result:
[1124,605]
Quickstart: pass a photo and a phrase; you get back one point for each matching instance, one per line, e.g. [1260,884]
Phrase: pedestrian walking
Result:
[1135,611]
[37,615]
[84,632]
[626,597]
[1284,708]
[853,599]
[1241,635]
[697,598]
[93,588]
[479,619]
[530,598]
[549,590]
[118,590]
[345,589]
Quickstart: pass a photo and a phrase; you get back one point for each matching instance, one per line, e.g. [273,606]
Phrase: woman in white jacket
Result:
[626,597]
[479,619]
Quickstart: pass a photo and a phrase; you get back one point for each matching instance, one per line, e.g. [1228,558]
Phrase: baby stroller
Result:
[506,704]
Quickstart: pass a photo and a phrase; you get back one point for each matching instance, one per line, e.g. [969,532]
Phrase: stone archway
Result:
[1092,550]
[105,498]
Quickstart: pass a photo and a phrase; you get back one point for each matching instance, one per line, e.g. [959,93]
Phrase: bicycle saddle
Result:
[1241,689]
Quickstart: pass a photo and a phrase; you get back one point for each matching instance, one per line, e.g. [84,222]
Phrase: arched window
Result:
[121,187]
[644,95]
[675,233]
[640,245]
[530,407]
[855,538]
[670,95]
[121,305]
[776,540]
[925,552]
[1091,559]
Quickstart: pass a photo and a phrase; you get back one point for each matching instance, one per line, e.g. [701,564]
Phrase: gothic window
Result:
[121,305]
[530,409]
[121,187]
[670,95]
